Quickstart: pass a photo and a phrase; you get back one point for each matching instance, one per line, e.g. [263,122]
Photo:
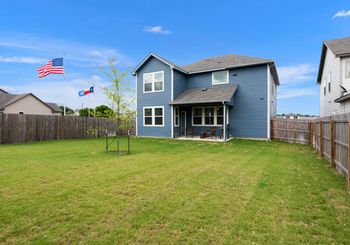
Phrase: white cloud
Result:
[297,80]
[26,60]
[79,54]
[296,73]
[287,93]
[156,29]
[342,13]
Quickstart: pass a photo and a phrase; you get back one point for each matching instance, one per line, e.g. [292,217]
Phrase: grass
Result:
[171,192]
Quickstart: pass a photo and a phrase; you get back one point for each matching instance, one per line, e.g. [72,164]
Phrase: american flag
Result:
[54,66]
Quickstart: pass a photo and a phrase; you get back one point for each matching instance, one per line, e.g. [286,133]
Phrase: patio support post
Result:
[224,126]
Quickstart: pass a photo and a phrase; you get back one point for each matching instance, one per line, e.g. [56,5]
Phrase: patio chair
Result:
[213,132]
[190,132]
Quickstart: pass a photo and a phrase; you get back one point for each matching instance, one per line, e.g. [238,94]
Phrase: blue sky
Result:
[90,32]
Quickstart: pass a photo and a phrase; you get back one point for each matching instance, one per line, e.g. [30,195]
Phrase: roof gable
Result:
[172,65]
[339,47]
[8,99]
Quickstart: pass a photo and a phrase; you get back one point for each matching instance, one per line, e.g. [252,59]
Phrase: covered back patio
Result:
[203,113]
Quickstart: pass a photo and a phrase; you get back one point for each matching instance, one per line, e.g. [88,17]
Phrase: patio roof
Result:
[217,94]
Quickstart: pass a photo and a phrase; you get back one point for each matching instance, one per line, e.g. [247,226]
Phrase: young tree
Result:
[121,98]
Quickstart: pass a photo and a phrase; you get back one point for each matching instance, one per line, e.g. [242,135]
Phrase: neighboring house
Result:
[26,104]
[334,77]
[232,90]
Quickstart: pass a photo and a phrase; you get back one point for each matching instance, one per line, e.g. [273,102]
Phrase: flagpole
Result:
[65,89]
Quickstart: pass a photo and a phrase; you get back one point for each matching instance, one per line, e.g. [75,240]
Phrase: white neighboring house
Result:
[334,77]
[26,104]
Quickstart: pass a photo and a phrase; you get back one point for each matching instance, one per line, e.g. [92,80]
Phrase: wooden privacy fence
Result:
[16,128]
[328,135]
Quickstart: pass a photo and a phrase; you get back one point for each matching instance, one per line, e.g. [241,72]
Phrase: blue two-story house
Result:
[218,97]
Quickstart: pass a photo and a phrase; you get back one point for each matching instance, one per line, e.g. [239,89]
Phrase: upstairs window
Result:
[219,77]
[153,82]
[347,69]
[329,81]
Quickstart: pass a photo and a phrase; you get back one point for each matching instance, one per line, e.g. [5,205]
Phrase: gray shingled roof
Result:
[216,94]
[7,99]
[339,47]
[224,62]
[54,106]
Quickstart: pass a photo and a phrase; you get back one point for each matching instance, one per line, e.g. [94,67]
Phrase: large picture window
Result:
[153,116]
[153,82]
[219,77]
[209,116]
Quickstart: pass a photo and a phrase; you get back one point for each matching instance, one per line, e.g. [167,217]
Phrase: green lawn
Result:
[171,192]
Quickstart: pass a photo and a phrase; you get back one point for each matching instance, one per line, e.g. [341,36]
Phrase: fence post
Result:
[321,139]
[332,144]
[271,129]
[309,132]
[349,154]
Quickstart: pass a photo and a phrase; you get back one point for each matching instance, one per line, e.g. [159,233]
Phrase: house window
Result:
[147,81]
[220,115]
[219,77]
[21,112]
[209,116]
[324,86]
[153,82]
[329,81]
[177,116]
[153,116]
[197,116]
[347,69]
[158,116]
[148,116]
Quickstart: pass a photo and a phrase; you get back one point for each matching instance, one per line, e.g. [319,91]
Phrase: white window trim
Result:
[215,117]
[212,78]
[177,116]
[345,69]
[153,116]
[153,82]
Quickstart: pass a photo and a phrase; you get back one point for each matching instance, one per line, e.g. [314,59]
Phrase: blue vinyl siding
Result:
[248,116]
[154,99]
[180,83]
